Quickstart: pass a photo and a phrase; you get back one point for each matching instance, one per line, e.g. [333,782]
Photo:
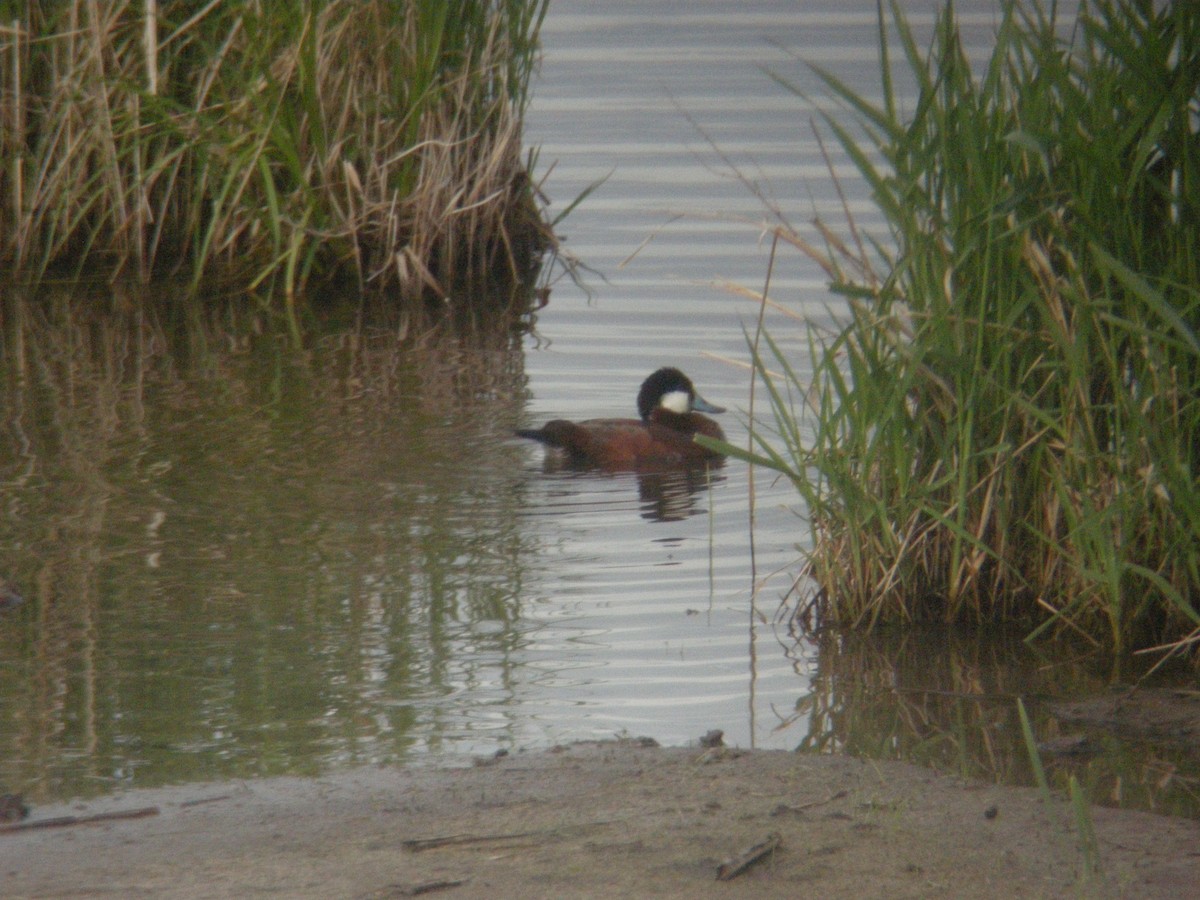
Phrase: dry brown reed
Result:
[372,142]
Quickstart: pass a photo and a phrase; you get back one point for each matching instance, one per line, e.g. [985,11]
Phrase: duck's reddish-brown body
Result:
[666,440]
[663,438]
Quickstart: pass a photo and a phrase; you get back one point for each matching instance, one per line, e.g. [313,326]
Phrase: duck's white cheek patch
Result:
[676,402]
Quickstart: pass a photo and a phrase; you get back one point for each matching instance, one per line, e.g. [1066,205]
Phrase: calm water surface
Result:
[240,559]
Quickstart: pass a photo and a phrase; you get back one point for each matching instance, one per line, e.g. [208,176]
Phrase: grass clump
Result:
[1007,423]
[272,145]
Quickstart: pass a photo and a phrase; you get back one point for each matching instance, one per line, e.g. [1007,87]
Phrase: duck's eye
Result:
[676,402]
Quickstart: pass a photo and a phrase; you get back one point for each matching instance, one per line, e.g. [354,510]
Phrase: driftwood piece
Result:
[736,865]
[416,845]
[200,801]
[65,821]
[783,808]
[416,890]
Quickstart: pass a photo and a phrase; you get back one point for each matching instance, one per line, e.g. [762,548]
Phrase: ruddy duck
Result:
[670,417]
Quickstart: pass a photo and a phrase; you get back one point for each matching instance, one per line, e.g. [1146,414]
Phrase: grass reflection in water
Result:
[240,558]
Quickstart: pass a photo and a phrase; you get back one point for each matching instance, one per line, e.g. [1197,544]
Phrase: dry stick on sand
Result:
[735,866]
[424,887]
[64,821]
[416,845]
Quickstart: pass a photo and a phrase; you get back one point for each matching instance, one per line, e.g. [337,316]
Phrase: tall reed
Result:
[1007,424]
[275,145]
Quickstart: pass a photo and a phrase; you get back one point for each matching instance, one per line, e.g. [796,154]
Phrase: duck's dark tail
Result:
[534,434]
[555,433]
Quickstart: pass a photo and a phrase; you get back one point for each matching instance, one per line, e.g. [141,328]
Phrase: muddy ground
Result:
[599,820]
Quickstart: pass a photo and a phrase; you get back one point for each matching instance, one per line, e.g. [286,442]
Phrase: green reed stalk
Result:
[270,145]
[1085,828]
[1035,758]
[1006,425]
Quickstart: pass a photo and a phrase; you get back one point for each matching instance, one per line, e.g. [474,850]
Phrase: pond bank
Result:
[600,819]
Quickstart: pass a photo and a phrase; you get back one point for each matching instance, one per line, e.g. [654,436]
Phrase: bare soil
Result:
[600,820]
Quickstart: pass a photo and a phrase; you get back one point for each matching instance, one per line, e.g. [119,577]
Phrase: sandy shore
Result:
[599,820]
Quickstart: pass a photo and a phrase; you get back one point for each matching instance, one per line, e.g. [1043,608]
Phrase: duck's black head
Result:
[671,389]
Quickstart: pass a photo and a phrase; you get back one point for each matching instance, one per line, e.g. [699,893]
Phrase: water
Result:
[241,559]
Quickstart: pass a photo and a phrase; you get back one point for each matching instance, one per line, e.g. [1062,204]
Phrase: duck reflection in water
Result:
[671,496]
[659,447]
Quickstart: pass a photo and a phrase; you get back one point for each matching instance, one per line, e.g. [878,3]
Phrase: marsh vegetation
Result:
[1005,428]
[273,148]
